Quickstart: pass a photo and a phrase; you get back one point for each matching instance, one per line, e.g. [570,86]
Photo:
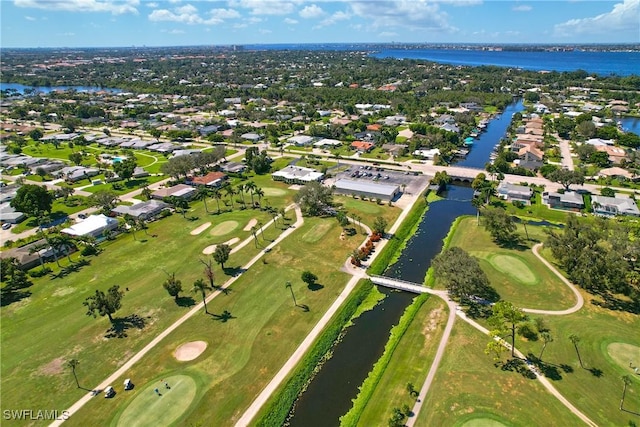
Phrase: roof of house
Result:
[90,225]
[301,139]
[622,205]
[298,173]
[208,179]
[362,145]
[139,209]
[326,141]
[508,188]
[387,190]
[179,190]
[567,197]
[615,171]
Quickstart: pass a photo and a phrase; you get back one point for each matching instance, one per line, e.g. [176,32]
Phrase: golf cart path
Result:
[453,311]
[579,299]
[136,358]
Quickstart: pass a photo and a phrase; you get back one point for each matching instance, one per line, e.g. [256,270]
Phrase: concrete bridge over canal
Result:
[403,285]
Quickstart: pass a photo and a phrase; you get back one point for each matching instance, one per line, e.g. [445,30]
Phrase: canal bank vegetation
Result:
[279,406]
[373,379]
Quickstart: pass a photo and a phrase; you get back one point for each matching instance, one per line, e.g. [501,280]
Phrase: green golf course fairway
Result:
[622,354]
[149,409]
[223,228]
[514,267]
[270,191]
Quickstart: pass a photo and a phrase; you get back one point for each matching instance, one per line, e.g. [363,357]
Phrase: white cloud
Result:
[422,15]
[116,8]
[623,17]
[290,21]
[522,8]
[336,17]
[387,34]
[151,4]
[254,20]
[189,14]
[29,18]
[262,7]
[312,11]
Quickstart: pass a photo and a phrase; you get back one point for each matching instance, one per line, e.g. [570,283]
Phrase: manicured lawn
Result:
[376,153]
[608,341]
[368,210]
[260,332]
[537,211]
[127,186]
[410,363]
[49,151]
[468,385]
[516,274]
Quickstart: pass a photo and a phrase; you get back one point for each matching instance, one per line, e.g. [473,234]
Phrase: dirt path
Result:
[197,308]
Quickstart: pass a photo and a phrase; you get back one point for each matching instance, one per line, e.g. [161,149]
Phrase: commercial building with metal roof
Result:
[297,175]
[367,189]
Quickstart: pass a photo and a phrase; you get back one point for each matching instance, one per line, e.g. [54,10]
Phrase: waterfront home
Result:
[569,200]
[512,192]
[612,206]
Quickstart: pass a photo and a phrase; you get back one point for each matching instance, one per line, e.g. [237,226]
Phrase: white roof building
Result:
[326,141]
[93,225]
[367,189]
[297,175]
[301,140]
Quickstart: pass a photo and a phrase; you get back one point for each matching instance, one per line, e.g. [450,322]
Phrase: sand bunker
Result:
[251,223]
[271,191]
[201,229]
[211,249]
[189,351]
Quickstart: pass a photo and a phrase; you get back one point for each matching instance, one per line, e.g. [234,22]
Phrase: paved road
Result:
[120,372]
[565,153]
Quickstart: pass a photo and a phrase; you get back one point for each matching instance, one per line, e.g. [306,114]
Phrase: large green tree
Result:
[125,168]
[500,225]
[505,320]
[314,198]
[104,199]
[461,275]
[221,254]
[104,304]
[173,285]
[33,200]
[566,177]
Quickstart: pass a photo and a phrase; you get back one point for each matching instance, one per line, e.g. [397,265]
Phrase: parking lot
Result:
[381,175]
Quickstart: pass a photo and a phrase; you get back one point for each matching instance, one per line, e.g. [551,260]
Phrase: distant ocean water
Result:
[601,63]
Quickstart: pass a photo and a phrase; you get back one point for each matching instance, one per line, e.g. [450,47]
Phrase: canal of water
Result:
[329,394]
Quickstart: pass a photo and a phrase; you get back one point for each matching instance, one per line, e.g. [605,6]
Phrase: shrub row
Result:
[277,409]
[369,385]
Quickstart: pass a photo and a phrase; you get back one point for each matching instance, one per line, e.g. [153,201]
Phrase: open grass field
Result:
[409,364]
[516,274]
[468,386]
[34,375]
[248,345]
[537,211]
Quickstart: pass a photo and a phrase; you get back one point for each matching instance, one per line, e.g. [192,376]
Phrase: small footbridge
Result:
[403,285]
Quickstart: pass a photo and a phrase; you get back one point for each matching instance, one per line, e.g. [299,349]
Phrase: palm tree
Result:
[62,241]
[626,381]
[288,285]
[241,188]
[260,193]
[251,188]
[254,233]
[546,338]
[575,340]
[477,203]
[73,364]
[230,192]
[201,194]
[217,195]
[199,286]
[260,224]
[132,223]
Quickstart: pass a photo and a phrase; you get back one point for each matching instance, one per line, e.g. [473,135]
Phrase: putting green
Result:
[223,228]
[483,422]
[622,354]
[515,267]
[316,232]
[149,409]
[270,191]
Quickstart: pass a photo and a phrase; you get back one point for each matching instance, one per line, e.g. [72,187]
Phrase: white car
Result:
[6,226]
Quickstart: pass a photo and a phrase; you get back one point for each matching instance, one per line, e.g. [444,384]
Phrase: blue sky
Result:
[98,23]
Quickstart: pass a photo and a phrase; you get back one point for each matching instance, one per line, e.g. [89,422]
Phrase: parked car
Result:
[82,216]
[128,385]
[6,226]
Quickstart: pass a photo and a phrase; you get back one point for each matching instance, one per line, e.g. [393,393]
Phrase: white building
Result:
[297,175]
[93,225]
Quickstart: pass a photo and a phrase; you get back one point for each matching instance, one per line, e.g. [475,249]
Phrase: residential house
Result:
[327,142]
[234,167]
[450,128]
[297,175]
[93,225]
[76,173]
[181,190]
[612,206]
[163,147]
[145,210]
[512,192]
[251,136]
[9,214]
[395,149]
[30,255]
[301,140]
[362,146]
[616,172]
[212,179]
[569,200]
[206,130]
[427,154]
